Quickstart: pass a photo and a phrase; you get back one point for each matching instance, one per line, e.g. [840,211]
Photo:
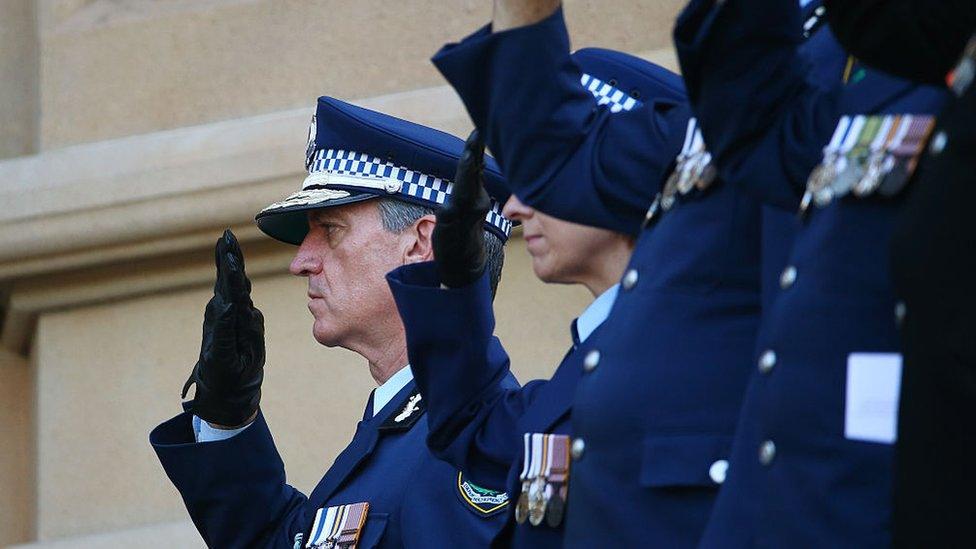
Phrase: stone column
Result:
[18,78]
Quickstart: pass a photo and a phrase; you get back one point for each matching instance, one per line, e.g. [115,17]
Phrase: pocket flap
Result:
[684,460]
[373,531]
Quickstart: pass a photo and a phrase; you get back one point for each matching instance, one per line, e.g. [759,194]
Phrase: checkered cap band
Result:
[606,94]
[377,173]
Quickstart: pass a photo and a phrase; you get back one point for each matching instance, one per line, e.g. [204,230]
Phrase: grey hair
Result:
[398,215]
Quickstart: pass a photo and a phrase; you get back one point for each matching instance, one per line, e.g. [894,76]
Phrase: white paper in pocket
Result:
[873,386]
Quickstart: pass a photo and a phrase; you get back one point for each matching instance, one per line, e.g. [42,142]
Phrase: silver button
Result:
[939,143]
[718,470]
[766,361]
[788,277]
[591,361]
[630,279]
[577,448]
[767,451]
[900,311]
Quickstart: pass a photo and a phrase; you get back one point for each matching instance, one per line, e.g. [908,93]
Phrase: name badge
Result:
[871,407]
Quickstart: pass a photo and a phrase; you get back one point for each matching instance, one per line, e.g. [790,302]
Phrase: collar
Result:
[384,393]
[596,313]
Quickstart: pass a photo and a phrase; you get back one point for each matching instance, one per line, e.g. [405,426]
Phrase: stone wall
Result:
[134,131]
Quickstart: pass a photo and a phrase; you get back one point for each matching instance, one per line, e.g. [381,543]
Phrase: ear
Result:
[420,243]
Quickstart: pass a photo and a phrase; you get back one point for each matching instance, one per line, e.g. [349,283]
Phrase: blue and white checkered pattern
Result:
[413,184]
[606,94]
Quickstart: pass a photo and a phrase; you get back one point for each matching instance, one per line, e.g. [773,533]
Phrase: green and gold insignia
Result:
[482,501]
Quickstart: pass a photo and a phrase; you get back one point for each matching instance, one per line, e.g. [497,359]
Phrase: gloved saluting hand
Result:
[231,367]
[458,239]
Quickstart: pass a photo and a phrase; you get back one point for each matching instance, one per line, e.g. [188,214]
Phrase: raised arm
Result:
[234,489]
[921,40]
[561,153]
[764,122]
[460,368]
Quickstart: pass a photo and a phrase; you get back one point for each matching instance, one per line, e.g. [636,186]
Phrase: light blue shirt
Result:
[203,432]
[598,311]
[384,393]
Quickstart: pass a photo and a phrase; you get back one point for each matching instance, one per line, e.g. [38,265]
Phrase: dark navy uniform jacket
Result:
[476,423]
[653,421]
[794,477]
[236,493]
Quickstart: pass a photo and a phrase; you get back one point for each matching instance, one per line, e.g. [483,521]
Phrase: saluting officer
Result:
[365,208]
[663,378]
[812,459]
[519,437]
[934,264]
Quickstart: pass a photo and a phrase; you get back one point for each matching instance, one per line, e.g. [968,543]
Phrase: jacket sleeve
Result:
[234,489]
[462,372]
[916,39]
[763,121]
[561,153]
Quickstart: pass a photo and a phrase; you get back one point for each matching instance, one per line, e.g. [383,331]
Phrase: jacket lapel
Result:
[368,434]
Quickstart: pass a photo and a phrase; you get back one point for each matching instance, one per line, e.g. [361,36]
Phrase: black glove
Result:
[459,246]
[231,366]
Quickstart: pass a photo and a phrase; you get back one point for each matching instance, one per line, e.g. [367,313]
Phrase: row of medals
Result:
[868,155]
[693,170]
[545,480]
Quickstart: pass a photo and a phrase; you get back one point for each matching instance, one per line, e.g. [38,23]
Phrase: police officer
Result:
[514,436]
[656,404]
[366,207]
[933,265]
[811,463]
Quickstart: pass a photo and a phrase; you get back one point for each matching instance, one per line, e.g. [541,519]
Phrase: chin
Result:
[324,335]
[543,272]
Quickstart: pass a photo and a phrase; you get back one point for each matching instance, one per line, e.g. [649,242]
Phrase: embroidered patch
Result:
[482,501]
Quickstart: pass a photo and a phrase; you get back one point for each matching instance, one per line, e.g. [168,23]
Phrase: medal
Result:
[826,170]
[537,492]
[558,478]
[545,477]
[694,165]
[824,195]
[652,211]
[708,175]
[891,129]
[965,71]
[338,526]
[906,154]
[537,502]
[682,170]
[857,157]
[522,507]
[681,175]
[555,510]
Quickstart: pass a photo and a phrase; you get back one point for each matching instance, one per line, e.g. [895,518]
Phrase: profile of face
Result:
[345,256]
[564,252]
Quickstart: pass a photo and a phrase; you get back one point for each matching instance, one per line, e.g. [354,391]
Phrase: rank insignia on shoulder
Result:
[482,501]
[408,412]
[868,155]
[338,526]
[545,479]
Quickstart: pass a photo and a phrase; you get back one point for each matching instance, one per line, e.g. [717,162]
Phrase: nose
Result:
[515,210]
[305,262]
